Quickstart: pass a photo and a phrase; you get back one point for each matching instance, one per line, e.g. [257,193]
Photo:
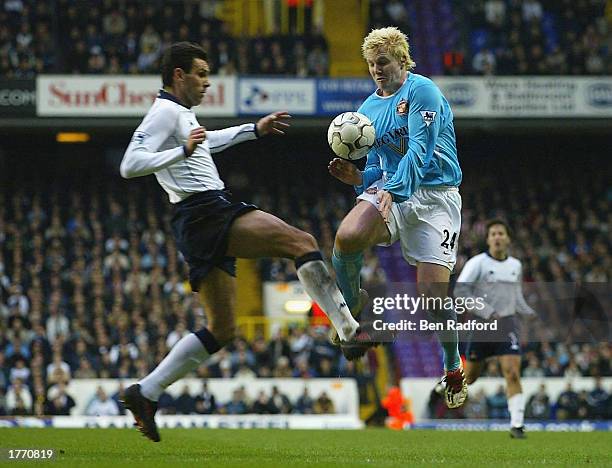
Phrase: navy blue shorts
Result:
[201,225]
[484,344]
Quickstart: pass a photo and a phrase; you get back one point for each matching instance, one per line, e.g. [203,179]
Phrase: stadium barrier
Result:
[343,392]
[245,421]
[497,425]
[229,96]
[419,390]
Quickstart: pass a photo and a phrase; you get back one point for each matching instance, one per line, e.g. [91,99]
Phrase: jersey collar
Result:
[497,259]
[163,94]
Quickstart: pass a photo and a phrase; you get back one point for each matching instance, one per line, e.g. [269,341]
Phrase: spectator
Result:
[476,407]
[533,368]
[59,402]
[484,62]
[58,370]
[3,410]
[597,400]
[305,404]
[19,371]
[532,10]
[205,402]
[497,404]
[57,324]
[185,403]
[567,404]
[323,404]
[236,405]
[282,368]
[538,406]
[118,398]
[262,404]
[85,370]
[102,405]
[18,399]
[166,404]
[279,402]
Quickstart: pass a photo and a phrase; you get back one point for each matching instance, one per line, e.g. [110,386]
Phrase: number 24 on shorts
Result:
[447,235]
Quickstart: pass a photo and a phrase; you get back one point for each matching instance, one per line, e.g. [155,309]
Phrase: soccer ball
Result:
[351,135]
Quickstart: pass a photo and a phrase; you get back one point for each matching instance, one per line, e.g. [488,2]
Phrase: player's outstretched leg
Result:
[258,234]
[362,228]
[348,276]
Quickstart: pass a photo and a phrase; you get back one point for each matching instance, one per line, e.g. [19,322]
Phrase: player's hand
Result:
[345,171]
[274,123]
[384,200]
[196,136]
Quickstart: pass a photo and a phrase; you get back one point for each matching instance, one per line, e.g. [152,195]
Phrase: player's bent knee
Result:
[349,240]
[294,243]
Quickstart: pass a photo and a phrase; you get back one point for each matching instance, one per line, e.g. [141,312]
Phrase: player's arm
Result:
[142,157]
[424,123]
[274,123]
[521,304]
[345,171]
[465,288]
[218,140]
[371,172]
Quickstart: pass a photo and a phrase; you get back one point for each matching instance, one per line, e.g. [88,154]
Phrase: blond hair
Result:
[391,40]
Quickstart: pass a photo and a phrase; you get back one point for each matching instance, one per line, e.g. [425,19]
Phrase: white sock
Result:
[319,285]
[516,406]
[187,354]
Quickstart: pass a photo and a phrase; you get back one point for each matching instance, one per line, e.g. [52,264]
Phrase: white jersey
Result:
[157,148]
[496,282]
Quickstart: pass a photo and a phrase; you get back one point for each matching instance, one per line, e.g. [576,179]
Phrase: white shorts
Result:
[427,224]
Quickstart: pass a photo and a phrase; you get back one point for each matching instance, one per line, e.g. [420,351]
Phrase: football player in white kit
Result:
[495,277]
[210,229]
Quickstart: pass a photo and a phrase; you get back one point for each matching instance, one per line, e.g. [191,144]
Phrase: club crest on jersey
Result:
[402,107]
[428,117]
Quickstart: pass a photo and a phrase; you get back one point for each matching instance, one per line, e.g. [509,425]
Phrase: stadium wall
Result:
[419,389]
[343,392]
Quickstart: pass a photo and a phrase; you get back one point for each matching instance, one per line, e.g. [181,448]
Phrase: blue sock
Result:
[348,271]
[449,339]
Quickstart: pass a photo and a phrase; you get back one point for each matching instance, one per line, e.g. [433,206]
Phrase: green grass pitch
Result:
[292,448]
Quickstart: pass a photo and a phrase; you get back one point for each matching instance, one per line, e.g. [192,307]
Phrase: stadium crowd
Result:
[507,37]
[91,284]
[67,36]
[538,37]
[498,37]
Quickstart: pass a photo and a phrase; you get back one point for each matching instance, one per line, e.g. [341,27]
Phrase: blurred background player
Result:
[410,184]
[210,230]
[496,277]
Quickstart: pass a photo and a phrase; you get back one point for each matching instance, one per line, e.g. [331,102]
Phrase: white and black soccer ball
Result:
[351,135]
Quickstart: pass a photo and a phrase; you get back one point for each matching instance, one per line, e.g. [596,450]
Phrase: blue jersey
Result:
[415,139]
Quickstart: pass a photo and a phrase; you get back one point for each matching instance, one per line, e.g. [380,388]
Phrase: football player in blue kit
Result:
[408,190]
